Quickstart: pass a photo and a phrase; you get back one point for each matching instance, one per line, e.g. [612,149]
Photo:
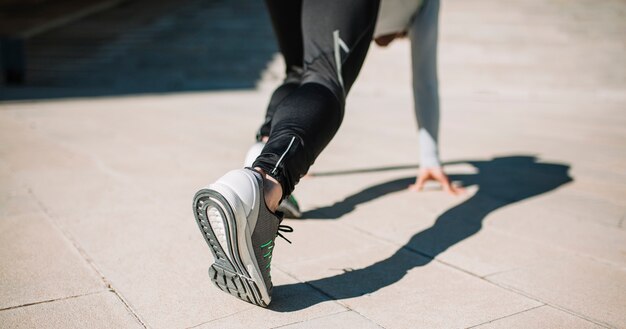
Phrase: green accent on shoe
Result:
[269,260]
[269,246]
[292,199]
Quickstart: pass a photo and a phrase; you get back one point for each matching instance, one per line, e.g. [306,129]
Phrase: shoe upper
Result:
[264,236]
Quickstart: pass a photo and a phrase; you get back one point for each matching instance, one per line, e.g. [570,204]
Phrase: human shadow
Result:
[501,182]
[362,170]
[347,205]
[146,47]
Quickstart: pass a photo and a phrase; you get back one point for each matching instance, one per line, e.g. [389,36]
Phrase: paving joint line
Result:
[86,258]
[559,248]
[221,317]
[53,300]
[485,279]
[527,295]
[327,295]
[507,316]
[311,319]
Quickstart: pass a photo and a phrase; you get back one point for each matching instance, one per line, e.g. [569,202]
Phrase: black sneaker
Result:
[240,231]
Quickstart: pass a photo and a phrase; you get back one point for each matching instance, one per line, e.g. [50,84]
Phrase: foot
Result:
[273,190]
[240,231]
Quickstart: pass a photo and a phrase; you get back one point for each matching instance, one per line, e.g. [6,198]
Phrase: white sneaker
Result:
[240,231]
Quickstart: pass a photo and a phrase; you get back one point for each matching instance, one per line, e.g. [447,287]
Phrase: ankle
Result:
[272,190]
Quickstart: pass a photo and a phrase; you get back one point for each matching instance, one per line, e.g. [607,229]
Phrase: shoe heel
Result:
[235,285]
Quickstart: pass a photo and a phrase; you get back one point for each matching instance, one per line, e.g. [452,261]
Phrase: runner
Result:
[396,18]
[324,43]
[420,20]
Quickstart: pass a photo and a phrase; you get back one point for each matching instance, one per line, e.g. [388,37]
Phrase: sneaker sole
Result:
[216,220]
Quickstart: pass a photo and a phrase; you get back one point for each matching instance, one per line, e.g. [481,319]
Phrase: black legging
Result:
[324,43]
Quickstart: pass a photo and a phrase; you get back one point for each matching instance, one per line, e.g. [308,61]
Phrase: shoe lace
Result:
[286,229]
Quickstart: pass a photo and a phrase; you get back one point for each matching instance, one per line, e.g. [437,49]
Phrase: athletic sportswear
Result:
[324,43]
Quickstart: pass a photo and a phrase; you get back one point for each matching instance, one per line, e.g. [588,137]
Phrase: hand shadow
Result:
[501,181]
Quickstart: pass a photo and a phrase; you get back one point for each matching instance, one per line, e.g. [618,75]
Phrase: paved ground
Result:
[96,229]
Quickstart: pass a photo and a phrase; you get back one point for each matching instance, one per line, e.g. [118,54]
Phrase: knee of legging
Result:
[327,77]
[293,74]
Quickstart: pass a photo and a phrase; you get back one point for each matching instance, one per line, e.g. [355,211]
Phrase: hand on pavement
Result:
[438,175]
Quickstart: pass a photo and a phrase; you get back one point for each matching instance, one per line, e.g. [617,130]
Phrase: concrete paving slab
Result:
[37,263]
[387,211]
[587,288]
[100,310]
[587,206]
[14,196]
[339,320]
[288,306]
[560,35]
[541,317]
[404,290]
[600,242]
[492,251]
[172,289]
[316,240]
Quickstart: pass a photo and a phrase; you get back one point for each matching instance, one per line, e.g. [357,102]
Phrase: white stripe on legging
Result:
[282,156]
[339,44]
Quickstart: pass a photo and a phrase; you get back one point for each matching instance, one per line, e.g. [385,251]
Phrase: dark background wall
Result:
[144,46]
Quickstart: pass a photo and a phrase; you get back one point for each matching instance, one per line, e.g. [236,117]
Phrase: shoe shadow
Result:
[501,182]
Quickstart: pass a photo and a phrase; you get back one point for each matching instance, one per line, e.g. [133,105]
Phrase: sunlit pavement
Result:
[97,231]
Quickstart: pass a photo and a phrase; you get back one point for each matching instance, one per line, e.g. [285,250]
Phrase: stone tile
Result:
[427,223]
[583,286]
[101,310]
[333,197]
[292,301]
[37,263]
[559,229]
[438,300]
[492,251]
[14,196]
[541,317]
[400,289]
[339,320]
[109,214]
[584,205]
[159,262]
[399,216]
[313,240]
